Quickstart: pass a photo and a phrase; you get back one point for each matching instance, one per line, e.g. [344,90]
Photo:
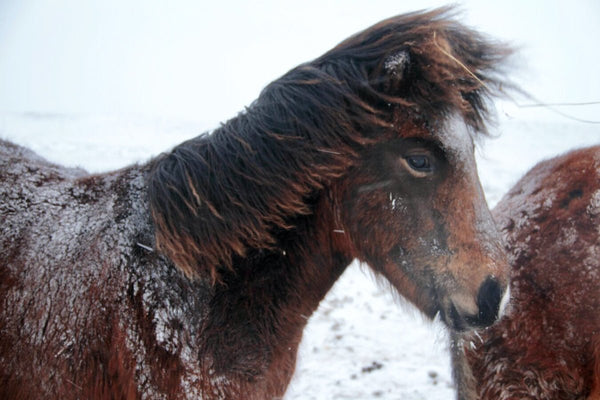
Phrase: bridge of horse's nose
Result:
[489,300]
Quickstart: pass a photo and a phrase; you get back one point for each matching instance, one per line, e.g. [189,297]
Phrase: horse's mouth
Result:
[460,322]
[456,321]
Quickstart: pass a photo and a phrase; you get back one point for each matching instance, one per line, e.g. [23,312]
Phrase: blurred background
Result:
[206,60]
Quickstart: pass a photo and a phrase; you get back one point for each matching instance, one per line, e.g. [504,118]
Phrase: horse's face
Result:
[414,211]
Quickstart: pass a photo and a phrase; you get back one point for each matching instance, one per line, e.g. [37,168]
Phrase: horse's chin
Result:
[457,321]
[439,307]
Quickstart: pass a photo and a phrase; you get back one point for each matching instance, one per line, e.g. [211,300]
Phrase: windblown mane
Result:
[220,194]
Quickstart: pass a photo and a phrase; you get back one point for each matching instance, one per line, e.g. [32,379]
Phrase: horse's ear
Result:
[397,64]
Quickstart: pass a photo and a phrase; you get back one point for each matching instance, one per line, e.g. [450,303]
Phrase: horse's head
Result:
[412,206]
[414,210]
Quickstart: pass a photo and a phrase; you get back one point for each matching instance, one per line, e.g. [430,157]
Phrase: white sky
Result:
[205,61]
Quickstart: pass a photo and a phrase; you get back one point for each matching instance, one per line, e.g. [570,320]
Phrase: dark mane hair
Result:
[220,194]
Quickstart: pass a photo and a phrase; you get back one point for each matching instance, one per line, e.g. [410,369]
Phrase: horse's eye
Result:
[419,163]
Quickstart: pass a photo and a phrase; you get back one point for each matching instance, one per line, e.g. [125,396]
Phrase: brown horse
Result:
[548,346]
[194,275]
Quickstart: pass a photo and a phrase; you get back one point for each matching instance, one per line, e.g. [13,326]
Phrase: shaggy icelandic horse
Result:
[193,276]
[548,345]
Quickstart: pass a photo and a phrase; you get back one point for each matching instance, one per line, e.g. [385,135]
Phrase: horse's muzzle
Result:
[492,299]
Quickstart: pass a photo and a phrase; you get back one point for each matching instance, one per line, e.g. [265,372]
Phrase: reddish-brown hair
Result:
[548,346]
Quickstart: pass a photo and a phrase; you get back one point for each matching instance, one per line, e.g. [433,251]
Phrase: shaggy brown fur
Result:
[548,347]
[366,152]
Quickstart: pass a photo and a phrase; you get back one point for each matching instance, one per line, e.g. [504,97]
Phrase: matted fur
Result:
[548,345]
[222,193]
[262,215]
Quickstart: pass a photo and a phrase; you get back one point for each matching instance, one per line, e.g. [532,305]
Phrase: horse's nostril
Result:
[488,301]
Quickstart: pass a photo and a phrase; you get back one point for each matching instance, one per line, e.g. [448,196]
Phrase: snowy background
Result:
[102,84]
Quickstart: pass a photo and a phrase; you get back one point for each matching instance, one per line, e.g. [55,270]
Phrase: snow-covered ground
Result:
[363,342]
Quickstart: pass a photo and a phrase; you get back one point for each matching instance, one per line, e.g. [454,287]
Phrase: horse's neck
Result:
[265,303]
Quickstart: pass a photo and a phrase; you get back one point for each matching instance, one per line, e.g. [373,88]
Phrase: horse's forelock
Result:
[429,61]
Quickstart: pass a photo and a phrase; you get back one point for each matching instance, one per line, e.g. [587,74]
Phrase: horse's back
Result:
[18,162]
[29,186]
[36,198]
